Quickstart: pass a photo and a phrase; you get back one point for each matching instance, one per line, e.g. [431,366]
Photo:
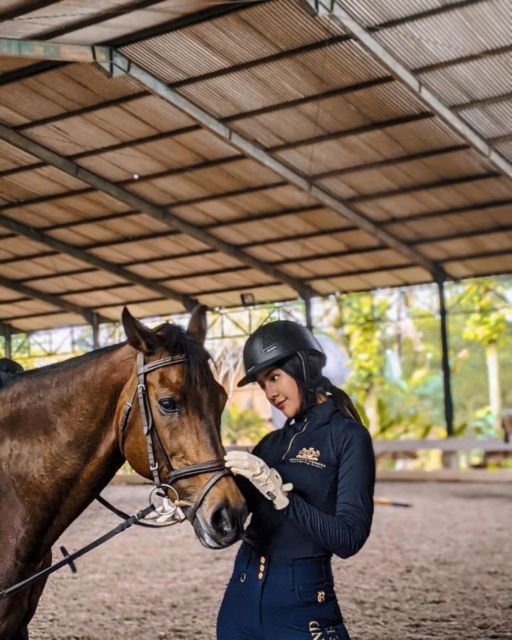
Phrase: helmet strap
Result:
[311,396]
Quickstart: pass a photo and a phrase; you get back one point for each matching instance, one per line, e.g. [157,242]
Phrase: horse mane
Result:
[173,339]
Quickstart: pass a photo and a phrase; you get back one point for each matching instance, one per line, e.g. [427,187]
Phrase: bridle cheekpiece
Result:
[154,445]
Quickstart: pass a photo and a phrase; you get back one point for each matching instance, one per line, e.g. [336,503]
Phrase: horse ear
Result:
[139,336]
[197,325]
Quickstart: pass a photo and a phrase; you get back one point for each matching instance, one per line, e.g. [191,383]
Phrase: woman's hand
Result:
[266,480]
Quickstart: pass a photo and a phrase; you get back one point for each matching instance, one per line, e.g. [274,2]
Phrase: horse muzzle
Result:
[223,526]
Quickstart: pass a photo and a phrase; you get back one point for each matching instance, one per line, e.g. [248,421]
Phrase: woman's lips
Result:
[280,405]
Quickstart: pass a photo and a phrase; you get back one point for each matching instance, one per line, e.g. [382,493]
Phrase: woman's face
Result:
[281,390]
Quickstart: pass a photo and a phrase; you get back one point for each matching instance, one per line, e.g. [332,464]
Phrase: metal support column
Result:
[7,341]
[309,314]
[447,387]
[95,331]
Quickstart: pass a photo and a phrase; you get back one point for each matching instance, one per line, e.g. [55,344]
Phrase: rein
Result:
[171,509]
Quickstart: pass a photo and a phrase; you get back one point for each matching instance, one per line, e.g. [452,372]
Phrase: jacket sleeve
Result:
[345,532]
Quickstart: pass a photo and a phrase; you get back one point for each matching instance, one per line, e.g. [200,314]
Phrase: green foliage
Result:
[483,423]
[485,324]
[360,319]
[242,424]
[410,403]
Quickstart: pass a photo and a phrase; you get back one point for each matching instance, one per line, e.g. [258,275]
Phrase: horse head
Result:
[182,404]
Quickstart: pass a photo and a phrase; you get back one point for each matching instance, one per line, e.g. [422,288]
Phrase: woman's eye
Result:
[168,405]
[275,377]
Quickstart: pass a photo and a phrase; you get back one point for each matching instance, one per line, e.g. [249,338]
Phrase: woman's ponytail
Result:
[306,369]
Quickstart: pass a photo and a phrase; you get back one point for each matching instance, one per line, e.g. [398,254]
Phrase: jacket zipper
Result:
[294,436]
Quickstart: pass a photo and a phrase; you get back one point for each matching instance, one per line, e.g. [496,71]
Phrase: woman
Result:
[309,487]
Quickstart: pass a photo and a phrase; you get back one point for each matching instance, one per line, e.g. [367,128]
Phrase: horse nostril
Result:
[223,519]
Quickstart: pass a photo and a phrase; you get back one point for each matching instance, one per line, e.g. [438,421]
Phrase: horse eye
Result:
[168,405]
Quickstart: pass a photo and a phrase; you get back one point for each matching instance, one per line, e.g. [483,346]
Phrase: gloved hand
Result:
[265,479]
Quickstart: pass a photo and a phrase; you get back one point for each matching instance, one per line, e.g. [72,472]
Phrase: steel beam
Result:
[89,258]
[270,215]
[249,190]
[250,149]
[30,71]
[282,262]
[101,16]
[132,200]
[482,102]
[55,301]
[428,215]
[465,59]
[296,144]
[355,272]
[367,249]
[333,10]
[427,186]
[59,52]
[17,12]
[218,10]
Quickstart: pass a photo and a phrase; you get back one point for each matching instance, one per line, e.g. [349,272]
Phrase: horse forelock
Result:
[175,341]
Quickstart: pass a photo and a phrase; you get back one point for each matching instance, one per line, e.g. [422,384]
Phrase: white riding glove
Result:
[265,479]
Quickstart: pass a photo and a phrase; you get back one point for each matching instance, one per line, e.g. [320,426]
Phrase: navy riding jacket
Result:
[330,461]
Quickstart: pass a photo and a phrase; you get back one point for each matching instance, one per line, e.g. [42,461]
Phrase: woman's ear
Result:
[139,336]
[198,325]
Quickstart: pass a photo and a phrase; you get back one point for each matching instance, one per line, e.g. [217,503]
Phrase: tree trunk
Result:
[491,355]
[370,407]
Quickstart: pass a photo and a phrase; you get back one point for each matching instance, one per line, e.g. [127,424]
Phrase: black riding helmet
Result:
[273,342]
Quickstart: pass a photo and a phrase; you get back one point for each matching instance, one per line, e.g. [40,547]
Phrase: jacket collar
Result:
[316,415]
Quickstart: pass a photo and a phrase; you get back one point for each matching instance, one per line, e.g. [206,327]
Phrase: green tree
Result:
[485,325]
[360,318]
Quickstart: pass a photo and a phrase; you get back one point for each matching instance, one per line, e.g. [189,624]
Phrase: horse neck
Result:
[62,428]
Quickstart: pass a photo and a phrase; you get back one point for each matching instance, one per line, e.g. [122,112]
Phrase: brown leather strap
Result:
[213,480]
[153,441]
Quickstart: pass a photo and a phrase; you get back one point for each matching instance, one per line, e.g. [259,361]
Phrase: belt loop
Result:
[291,576]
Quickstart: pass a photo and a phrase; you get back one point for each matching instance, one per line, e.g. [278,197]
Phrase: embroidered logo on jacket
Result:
[310,456]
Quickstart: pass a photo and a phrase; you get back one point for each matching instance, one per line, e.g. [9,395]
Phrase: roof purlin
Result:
[248,148]
[132,200]
[366,249]
[417,217]
[384,57]
[55,301]
[89,258]
[296,144]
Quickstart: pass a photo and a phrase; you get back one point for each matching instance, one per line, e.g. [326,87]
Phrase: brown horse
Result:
[61,442]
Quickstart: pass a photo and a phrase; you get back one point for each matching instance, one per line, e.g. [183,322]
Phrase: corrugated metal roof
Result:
[305,92]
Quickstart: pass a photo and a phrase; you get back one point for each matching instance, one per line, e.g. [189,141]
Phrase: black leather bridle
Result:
[152,438]
[154,443]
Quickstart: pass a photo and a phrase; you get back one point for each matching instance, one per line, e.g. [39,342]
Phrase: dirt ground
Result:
[438,570]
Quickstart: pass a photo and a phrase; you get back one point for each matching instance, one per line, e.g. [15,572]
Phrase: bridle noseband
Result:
[153,441]
[174,514]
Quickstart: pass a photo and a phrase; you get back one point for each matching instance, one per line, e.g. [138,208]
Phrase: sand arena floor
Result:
[439,570]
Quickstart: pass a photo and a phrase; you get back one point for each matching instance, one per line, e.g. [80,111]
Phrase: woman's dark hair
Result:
[306,369]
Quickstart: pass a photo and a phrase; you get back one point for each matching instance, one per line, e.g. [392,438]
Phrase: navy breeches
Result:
[280,600]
